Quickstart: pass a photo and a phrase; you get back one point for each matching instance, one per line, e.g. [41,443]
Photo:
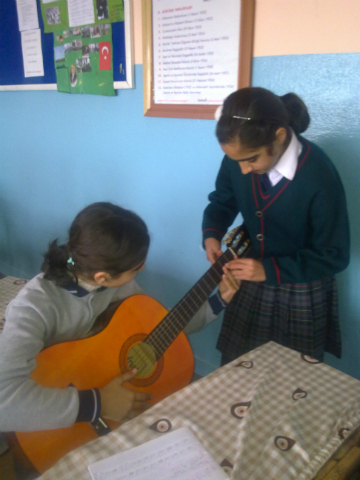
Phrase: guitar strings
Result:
[185,309]
[175,322]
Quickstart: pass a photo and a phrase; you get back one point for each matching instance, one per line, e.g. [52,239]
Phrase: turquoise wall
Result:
[61,152]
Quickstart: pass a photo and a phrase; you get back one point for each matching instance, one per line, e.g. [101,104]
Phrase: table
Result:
[272,413]
[9,288]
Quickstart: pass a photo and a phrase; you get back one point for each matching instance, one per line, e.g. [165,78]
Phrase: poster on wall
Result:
[27,14]
[83,60]
[12,76]
[195,53]
[195,50]
[55,15]
[63,14]
[32,53]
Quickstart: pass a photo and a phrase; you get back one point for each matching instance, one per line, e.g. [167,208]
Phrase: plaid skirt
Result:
[301,317]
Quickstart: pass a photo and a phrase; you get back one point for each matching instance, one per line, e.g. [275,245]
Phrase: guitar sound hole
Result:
[135,354]
[142,357]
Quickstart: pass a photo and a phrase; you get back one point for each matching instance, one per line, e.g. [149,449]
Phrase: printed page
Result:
[32,53]
[27,14]
[81,12]
[177,455]
[196,50]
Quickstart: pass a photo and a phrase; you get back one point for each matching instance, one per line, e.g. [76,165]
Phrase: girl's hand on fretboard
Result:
[228,285]
[247,269]
[213,249]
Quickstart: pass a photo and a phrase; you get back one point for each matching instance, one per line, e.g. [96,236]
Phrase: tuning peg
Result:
[244,247]
[229,237]
[225,239]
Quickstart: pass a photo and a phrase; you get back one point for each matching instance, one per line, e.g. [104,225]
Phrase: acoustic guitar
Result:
[140,334]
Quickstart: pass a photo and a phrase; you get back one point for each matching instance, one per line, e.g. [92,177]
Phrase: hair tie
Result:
[241,118]
[71,261]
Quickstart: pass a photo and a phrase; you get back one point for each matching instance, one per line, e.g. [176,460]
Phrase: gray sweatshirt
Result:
[42,315]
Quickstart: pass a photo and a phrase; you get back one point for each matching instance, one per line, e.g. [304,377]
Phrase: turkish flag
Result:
[104,56]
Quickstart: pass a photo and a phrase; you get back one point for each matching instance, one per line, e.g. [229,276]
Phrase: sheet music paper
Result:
[177,455]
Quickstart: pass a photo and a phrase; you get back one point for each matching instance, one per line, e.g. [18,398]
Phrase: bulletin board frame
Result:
[126,31]
[151,109]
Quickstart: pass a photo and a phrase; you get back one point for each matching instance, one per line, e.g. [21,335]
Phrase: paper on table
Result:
[27,14]
[174,456]
[32,53]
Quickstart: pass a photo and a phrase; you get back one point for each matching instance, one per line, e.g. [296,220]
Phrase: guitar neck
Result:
[161,337]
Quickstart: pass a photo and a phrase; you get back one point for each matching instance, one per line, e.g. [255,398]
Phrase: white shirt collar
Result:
[287,164]
[87,286]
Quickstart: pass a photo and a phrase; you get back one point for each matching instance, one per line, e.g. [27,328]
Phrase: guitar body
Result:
[141,334]
[94,361]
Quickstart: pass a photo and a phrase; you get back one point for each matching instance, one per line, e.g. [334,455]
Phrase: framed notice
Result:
[195,53]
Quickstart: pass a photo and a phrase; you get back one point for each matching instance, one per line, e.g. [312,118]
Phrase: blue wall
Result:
[61,152]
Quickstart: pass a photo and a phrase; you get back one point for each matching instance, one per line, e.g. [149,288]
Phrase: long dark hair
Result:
[102,238]
[253,115]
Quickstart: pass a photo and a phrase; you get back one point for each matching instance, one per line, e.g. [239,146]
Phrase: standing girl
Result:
[293,204]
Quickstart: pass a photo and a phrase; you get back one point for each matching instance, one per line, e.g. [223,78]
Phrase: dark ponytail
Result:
[299,118]
[102,238]
[55,264]
[253,115]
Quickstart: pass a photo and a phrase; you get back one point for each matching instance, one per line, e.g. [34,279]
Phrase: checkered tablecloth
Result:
[9,288]
[270,414]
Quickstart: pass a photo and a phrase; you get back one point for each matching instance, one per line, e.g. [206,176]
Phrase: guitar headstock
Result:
[237,240]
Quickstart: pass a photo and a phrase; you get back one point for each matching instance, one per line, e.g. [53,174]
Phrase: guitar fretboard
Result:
[161,337]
